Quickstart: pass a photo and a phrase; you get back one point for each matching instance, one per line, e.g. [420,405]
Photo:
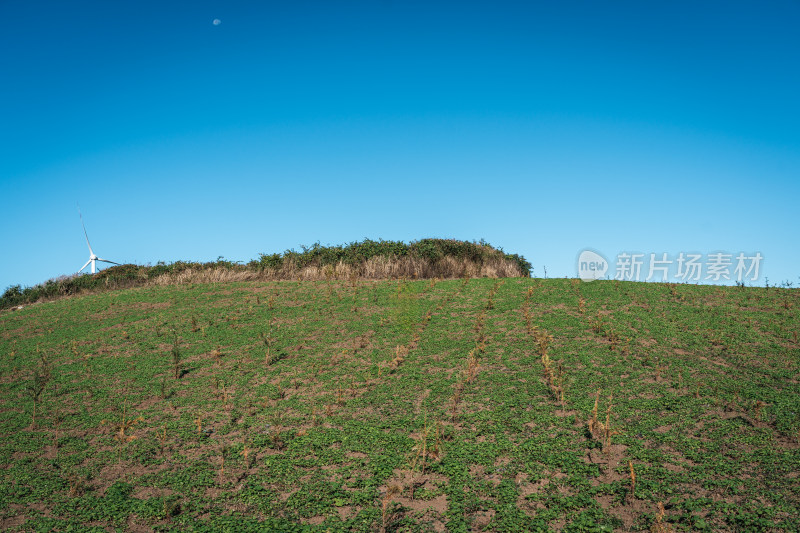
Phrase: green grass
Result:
[402,406]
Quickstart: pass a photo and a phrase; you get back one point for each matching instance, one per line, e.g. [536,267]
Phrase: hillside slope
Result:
[512,404]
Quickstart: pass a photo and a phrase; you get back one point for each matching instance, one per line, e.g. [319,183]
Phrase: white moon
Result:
[216,22]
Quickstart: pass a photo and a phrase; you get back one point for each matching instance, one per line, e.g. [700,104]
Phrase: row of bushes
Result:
[357,253]
[353,257]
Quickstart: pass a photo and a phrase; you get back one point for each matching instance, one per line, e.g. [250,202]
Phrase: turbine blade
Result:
[107,261]
[84,232]
[84,266]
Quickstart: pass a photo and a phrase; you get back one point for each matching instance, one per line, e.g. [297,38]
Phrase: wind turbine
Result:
[93,259]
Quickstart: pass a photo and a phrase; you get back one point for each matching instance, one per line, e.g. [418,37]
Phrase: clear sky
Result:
[544,128]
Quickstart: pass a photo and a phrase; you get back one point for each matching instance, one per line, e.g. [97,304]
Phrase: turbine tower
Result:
[93,259]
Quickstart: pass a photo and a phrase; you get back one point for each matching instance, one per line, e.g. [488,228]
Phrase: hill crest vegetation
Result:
[367,259]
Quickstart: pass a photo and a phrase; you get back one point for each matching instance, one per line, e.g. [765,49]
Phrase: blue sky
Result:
[544,128]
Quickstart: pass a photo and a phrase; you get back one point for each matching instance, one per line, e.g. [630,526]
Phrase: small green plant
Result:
[339,397]
[758,408]
[125,425]
[78,485]
[613,338]
[268,352]
[223,453]
[543,340]
[171,508]
[176,357]
[41,377]
[161,436]
[427,447]
[598,326]
[554,377]
[223,392]
[122,430]
[247,455]
[216,353]
[268,340]
[473,365]
[164,388]
[400,354]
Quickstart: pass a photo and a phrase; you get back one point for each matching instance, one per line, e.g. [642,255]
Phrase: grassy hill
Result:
[367,259]
[347,405]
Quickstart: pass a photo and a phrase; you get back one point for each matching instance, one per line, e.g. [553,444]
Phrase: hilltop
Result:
[367,259]
[509,404]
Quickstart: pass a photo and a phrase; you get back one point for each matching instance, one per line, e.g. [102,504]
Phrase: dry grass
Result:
[659,526]
[600,431]
[374,268]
